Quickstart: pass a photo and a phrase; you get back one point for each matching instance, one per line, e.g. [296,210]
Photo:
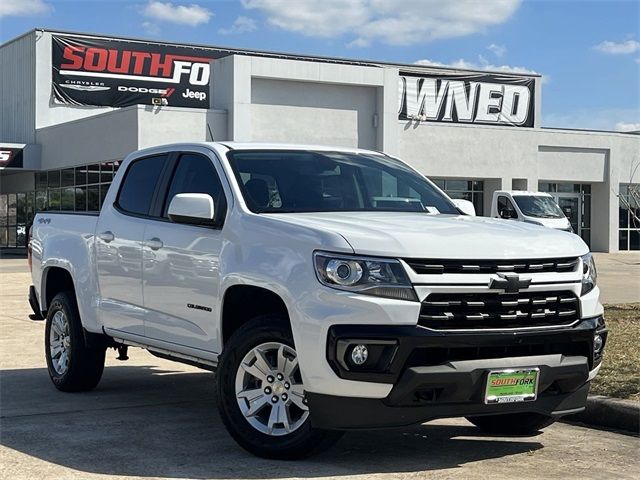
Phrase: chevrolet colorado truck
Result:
[328,288]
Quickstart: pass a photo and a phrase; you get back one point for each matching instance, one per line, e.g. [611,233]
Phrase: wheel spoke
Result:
[262,363]
[56,348]
[254,371]
[62,361]
[291,367]
[256,404]
[282,360]
[251,394]
[283,417]
[55,324]
[274,417]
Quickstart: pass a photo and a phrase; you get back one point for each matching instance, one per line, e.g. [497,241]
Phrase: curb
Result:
[609,412]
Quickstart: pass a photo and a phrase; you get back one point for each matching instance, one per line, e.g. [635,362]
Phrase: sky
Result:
[588,51]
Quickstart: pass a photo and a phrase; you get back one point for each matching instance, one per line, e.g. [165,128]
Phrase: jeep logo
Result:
[197,95]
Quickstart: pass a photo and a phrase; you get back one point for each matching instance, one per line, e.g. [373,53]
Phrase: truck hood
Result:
[557,223]
[418,235]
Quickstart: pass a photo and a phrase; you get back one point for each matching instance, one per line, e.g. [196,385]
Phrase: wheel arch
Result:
[242,302]
[55,279]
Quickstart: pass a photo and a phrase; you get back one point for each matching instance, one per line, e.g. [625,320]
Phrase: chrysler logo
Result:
[509,282]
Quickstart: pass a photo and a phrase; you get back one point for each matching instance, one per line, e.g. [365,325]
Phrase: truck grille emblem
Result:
[510,283]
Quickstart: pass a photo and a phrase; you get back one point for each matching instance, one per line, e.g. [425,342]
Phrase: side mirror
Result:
[508,214]
[465,206]
[192,209]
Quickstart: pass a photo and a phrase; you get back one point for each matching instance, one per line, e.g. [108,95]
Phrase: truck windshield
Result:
[279,181]
[538,206]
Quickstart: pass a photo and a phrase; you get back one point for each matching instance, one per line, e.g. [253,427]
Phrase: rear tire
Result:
[73,367]
[512,423]
[261,396]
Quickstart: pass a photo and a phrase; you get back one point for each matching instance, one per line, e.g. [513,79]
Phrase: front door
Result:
[570,206]
[181,263]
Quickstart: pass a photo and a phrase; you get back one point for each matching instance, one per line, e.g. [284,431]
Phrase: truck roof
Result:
[526,193]
[250,146]
[290,146]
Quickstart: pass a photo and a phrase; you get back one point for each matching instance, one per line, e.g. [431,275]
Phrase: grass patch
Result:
[620,373]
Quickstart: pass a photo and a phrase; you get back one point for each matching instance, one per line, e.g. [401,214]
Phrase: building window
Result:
[16,213]
[472,190]
[629,219]
[79,189]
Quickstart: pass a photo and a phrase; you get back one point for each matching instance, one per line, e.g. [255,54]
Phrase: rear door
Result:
[181,262]
[119,236]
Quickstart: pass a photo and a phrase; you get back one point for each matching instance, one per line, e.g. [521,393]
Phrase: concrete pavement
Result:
[154,418]
[619,277]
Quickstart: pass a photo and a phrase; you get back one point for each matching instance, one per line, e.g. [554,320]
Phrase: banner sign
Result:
[488,99]
[10,157]
[119,73]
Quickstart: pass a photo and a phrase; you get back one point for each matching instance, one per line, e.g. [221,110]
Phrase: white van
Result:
[538,208]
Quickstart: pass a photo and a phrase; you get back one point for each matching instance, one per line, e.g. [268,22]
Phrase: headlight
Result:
[381,277]
[589,273]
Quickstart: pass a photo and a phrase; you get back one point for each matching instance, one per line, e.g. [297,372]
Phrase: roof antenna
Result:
[210,132]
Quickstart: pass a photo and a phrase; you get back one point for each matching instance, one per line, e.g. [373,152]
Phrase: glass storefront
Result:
[574,199]
[472,190]
[79,189]
[629,218]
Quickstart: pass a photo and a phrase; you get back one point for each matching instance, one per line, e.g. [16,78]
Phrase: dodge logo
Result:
[510,283]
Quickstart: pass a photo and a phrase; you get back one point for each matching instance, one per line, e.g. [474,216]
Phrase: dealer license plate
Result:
[510,386]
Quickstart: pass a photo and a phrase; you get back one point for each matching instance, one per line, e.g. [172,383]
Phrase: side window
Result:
[196,174]
[139,184]
[502,204]
[505,204]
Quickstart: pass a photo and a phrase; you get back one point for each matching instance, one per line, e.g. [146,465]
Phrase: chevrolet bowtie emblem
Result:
[510,283]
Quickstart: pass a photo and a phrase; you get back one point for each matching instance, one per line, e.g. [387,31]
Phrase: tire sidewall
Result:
[86,365]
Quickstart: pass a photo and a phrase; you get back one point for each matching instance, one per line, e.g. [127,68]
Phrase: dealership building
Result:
[74,105]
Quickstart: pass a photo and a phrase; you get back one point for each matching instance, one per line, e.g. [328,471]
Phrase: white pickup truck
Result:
[329,288]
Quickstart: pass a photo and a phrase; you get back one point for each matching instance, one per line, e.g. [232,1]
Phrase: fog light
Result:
[359,354]
[598,342]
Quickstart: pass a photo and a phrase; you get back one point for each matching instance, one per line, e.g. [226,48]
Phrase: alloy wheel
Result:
[269,389]
[59,342]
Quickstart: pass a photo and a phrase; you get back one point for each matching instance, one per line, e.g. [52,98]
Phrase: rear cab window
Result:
[139,185]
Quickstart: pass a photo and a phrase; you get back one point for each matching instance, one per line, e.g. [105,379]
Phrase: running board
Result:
[173,356]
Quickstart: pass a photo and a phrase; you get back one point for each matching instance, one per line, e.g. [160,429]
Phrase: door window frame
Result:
[164,184]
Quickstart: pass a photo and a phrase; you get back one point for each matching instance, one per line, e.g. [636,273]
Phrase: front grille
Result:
[477,311]
[437,266]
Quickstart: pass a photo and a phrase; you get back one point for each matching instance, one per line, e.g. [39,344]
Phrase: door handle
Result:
[107,236]
[154,243]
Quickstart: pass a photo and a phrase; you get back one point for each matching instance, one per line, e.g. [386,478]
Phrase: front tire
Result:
[261,396]
[512,423]
[73,367]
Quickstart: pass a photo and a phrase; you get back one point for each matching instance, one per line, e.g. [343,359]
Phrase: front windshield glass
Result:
[538,206]
[278,181]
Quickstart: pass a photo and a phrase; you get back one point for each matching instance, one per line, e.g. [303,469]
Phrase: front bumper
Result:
[436,375]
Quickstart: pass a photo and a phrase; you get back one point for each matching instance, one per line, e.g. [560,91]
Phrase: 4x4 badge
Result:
[510,283]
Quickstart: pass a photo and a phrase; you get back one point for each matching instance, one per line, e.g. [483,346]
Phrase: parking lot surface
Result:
[619,277]
[156,419]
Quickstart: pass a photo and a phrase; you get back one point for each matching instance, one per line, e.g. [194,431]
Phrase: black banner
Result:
[488,99]
[119,73]
[10,157]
